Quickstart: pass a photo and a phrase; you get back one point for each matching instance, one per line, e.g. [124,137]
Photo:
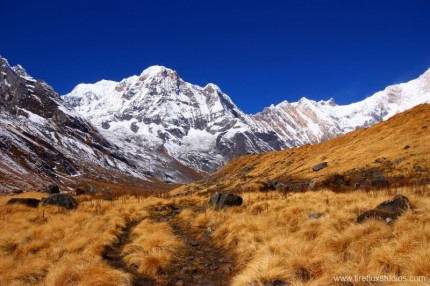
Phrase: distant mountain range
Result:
[158,112]
[157,127]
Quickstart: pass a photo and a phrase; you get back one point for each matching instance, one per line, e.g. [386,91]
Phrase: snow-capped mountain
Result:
[43,140]
[159,113]
[156,125]
[308,121]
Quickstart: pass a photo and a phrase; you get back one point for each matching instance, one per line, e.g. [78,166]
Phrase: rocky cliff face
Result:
[43,140]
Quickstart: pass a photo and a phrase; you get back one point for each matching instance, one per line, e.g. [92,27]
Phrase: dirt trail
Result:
[112,255]
[202,263]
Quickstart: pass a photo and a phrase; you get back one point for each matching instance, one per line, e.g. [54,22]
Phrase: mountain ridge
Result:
[155,128]
[43,140]
[392,153]
[197,124]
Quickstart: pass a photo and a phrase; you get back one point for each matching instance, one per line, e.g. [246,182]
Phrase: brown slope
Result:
[397,149]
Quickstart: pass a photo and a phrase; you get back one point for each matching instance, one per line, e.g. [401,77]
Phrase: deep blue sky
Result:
[258,52]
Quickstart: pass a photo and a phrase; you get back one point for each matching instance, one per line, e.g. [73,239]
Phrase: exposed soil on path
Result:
[112,255]
[201,262]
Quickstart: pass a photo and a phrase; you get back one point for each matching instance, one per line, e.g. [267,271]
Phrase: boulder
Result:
[29,202]
[62,200]
[387,210]
[219,200]
[80,191]
[52,189]
[320,166]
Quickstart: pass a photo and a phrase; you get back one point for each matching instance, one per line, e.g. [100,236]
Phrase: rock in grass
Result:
[52,189]
[220,200]
[29,202]
[315,215]
[61,200]
[320,166]
[387,210]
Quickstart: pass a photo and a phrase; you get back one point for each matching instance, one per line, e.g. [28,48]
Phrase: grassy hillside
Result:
[397,150]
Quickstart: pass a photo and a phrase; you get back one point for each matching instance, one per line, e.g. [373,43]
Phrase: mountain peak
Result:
[211,87]
[330,102]
[304,100]
[3,61]
[157,70]
[19,70]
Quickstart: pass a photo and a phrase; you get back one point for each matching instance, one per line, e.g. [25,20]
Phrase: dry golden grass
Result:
[153,247]
[272,237]
[53,246]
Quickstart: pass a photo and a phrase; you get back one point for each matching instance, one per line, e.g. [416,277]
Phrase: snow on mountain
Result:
[156,125]
[157,116]
[44,140]
[308,121]
[159,113]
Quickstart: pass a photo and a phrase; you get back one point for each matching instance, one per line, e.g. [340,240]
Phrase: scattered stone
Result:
[270,186]
[406,147]
[208,232]
[320,166]
[220,200]
[79,192]
[134,127]
[105,125]
[387,210]
[29,202]
[17,192]
[399,160]
[52,189]
[315,215]
[312,184]
[179,283]
[62,200]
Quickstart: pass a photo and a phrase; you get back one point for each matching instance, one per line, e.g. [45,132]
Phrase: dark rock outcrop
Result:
[61,200]
[52,189]
[219,200]
[29,202]
[387,210]
[320,166]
